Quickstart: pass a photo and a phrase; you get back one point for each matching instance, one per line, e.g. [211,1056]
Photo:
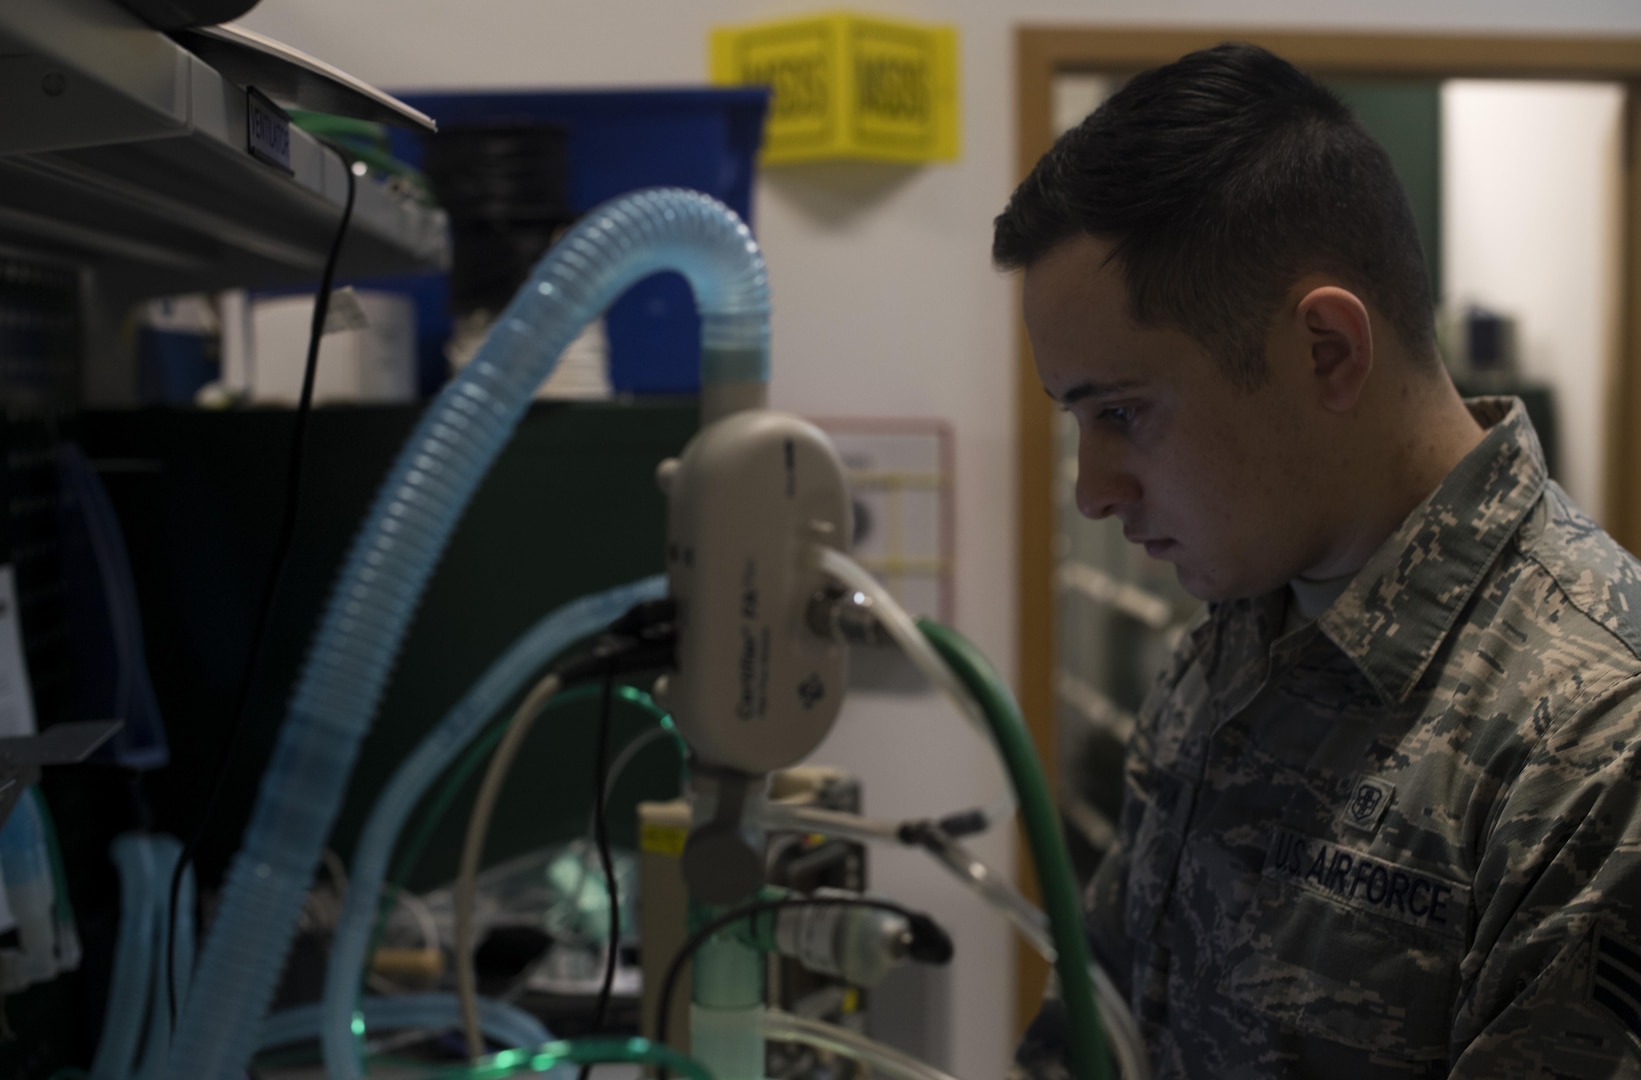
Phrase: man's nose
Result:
[1101,489]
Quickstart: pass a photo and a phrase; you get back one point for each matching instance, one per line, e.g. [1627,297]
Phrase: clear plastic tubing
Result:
[128,997]
[507,1024]
[163,852]
[883,1060]
[387,568]
[460,726]
[834,823]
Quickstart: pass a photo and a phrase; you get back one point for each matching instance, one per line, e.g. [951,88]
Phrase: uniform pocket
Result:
[1325,950]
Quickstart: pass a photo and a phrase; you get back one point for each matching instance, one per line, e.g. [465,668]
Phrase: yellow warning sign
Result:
[848,87]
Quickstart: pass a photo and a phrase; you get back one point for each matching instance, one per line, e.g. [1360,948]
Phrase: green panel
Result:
[570,508]
[1406,117]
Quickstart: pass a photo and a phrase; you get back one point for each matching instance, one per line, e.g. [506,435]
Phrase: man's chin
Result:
[1213,588]
[1206,593]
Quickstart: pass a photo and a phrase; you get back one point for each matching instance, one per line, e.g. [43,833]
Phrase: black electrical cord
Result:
[601,836]
[921,924]
[270,589]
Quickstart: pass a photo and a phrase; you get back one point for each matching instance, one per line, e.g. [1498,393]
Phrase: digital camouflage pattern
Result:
[1404,840]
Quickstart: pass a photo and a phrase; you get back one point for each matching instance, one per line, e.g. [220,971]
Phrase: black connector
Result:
[930,943]
[921,833]
[643,639]
[646,618]
[934,835]
[964,823]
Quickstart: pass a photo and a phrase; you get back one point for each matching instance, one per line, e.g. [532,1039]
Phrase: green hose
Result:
[589,1051]
[1048,850]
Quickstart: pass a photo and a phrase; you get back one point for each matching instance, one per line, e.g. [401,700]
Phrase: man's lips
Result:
[1155,546]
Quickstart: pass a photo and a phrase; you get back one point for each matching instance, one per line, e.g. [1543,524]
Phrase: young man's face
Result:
[1218,481]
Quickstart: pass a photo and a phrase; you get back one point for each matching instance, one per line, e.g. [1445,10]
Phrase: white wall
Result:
[1530,228]
[886,306]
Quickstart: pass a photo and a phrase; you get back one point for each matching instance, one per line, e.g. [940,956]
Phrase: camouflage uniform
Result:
[1404,840]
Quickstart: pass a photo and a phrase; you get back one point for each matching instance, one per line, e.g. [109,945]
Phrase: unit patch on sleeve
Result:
[1367,884]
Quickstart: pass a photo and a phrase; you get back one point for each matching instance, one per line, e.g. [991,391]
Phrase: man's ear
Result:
[1339,338]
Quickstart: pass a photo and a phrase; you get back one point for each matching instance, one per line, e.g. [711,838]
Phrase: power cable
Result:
[270,590]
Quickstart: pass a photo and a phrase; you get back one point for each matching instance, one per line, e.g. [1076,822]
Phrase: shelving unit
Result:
[119,146]
[124,154]
[126,174]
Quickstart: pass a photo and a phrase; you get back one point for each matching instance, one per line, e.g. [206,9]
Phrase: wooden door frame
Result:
[1042,53]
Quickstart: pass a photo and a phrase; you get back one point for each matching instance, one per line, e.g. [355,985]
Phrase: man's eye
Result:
[1118,416]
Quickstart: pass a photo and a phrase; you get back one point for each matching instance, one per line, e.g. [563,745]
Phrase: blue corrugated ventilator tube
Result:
[393,555]
[499,684]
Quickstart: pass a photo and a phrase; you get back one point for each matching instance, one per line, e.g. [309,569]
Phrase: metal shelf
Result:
[123,152]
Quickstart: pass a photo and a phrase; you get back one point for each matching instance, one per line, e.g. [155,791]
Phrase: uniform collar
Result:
[1402,604]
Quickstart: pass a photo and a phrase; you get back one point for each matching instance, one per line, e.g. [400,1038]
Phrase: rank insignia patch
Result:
[1369,799]
[1616,985]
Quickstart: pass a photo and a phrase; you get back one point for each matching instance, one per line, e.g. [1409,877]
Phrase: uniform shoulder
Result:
[1599,579]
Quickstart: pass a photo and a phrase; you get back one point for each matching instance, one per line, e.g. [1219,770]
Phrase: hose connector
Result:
[846,615]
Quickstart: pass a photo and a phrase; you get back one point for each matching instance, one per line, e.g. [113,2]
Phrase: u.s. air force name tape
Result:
[1368,884]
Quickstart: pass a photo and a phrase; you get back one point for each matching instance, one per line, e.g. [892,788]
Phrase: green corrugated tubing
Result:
[589,1051]
[1055,879]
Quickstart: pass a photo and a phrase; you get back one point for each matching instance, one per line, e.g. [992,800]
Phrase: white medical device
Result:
[755,689]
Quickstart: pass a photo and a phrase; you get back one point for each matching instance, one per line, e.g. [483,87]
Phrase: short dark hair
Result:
[1222,178]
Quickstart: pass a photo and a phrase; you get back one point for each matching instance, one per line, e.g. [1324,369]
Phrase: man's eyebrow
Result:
[1093,388]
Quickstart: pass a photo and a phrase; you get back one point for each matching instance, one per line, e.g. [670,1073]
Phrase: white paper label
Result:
[16,699]
[345,312]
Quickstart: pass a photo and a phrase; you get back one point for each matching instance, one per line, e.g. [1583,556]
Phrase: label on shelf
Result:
[267,131]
